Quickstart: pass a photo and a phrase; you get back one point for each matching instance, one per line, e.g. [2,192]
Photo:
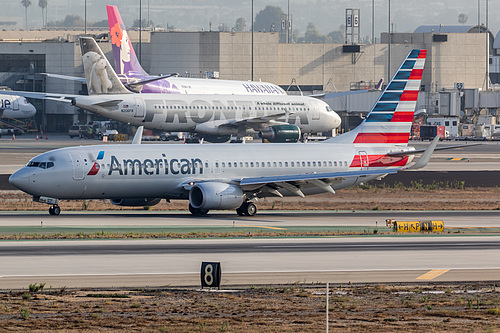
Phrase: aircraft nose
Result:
[20,179]
[335,119]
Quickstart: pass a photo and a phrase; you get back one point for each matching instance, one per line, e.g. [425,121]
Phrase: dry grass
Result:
[291,308]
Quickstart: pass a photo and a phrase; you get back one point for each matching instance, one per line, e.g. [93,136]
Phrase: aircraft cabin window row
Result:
[321,164]
[198,107]
[298,164]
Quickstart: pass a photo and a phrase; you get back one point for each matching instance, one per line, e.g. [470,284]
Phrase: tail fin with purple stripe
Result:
[389,121]
[123,53]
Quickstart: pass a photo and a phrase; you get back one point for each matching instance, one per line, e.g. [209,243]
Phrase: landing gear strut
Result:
[197,211]
[54,210]
[248,208]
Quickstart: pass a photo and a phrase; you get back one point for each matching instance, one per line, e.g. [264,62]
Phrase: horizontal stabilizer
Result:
[153,79]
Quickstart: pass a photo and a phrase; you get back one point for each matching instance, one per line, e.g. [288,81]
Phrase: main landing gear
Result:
[54,210]
[248,208]
[197,211]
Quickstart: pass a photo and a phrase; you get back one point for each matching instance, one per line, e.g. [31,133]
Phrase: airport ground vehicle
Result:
[77,131]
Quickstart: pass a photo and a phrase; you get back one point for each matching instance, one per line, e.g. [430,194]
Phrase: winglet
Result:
[426,156]
[138,136]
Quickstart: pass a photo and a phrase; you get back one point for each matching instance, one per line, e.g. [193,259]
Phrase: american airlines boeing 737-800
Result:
[235,176]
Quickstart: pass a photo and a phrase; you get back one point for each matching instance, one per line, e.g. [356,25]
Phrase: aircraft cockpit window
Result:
[33,164]
[50,164]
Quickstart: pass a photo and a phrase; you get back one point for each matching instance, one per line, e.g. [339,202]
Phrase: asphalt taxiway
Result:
[156,263]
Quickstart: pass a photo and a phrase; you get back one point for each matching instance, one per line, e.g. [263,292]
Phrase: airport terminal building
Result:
[458,65]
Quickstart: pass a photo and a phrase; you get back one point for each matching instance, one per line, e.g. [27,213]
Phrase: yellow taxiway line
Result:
[258,226]
[432,274]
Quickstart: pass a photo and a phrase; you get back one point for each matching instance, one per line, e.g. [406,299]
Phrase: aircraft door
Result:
[78,173]
[15,103]
[315,112]
[139,108]
[363,159]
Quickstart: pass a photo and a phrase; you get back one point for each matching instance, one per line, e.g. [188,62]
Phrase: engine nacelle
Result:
[136,202]
[281,133]
[212,195]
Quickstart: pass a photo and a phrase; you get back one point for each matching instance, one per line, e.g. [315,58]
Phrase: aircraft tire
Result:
[250,209]
[57,210]
[51,210]
[197,211]
[240,211]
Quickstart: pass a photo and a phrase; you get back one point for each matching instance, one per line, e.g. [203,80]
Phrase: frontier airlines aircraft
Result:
[235,176]
[278,118]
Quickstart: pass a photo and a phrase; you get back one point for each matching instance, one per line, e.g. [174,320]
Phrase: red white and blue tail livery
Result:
[389,121]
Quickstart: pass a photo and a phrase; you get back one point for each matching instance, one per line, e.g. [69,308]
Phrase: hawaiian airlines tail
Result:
[125,59]
[389,121]
[100,76]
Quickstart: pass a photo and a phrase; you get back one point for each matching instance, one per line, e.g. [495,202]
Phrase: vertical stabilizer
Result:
[100,76]
[126,61]
[389,121]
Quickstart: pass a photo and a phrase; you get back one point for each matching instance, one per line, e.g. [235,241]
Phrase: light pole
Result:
[252,38]
[389,48]
[140,30]
[373,21]
[85,17]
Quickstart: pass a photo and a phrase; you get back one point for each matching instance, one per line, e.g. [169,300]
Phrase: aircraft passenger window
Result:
[216,164]
[246,164]
[335,163]
[241,164]
[274,164]
[314,164]
[268,164]
[228,164]
[280,164]
[345,163]
[308,164]
[303,164]
[286,164]
[223,164]
[329,163]
[319,163]
[206,165]
[251,164]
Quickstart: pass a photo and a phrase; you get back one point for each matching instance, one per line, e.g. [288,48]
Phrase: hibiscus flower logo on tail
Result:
[116,35]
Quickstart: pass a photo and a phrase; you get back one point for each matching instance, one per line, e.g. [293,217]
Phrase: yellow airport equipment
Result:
[417,226]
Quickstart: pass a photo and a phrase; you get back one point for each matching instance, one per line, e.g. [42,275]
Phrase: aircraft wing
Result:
[256,120]
[39,95]
[292,183]
[66,77]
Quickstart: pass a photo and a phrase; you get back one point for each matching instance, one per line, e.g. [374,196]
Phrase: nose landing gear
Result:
[54,210]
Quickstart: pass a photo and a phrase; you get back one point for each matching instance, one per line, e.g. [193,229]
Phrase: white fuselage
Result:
[16,107]
[212,114]
[165,170]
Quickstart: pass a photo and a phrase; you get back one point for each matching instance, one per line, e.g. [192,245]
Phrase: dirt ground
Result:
[284,308]
[483,198]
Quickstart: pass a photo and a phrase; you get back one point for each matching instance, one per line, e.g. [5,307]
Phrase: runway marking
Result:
[457,159]
[257,226]
[432,274]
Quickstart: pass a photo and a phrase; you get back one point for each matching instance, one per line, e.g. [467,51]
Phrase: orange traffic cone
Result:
[13,136]
[46,137]
[37,137]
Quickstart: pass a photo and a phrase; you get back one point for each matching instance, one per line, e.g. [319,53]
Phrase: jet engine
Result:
[136,202]
[281,133]
[213,195]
